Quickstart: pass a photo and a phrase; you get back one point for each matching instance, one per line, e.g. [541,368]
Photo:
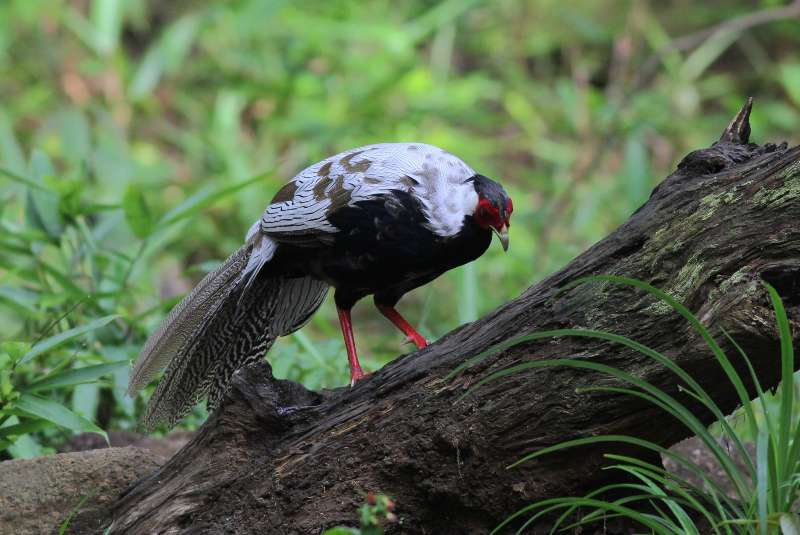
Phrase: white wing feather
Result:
[435,177]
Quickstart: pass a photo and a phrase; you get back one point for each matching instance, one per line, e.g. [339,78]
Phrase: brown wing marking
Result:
[286,193]
[320,187]
[325,170]
[358,167]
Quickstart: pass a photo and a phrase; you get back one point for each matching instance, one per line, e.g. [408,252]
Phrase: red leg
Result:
[401,323]
[347,331]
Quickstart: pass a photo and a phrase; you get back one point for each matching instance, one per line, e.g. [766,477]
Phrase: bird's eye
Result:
[509,206]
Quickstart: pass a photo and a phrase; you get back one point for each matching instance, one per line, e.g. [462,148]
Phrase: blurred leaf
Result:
[15,350]
[441,14]
[227,135]
[6,386]
[468,296]
[86,399]
[21,300]
[790,78]
[25,446]
[101,33]
[121,355]
[706,54]
[107,22]
[165,56]
[56,413]
[43,206]
[54,341]
[40,212]
[75,135]
[24,428]
[137,212]
[308,345]
[206,197]
[87,374]
[21,179]
[82,28]
[13,161]
[64,280]
[637,171]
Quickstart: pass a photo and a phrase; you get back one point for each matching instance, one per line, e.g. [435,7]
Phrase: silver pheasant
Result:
[376,220]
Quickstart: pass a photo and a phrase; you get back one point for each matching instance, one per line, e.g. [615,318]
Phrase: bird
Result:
[378,220]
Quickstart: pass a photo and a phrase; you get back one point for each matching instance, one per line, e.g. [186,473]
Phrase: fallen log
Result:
[277,458]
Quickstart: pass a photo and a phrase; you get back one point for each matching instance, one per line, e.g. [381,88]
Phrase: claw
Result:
[418,341]
[356,376]
[399,321]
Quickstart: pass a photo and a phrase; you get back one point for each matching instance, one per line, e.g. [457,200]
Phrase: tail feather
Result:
[242,337]
[230,320]
[262,252]
[180,326]
[298,300]
[275,307]
[216,345]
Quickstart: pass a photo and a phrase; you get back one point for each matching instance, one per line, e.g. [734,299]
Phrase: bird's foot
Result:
[416,339]
[401,323]
[357,375]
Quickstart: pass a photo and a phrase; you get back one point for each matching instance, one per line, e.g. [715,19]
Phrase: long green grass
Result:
[764,486]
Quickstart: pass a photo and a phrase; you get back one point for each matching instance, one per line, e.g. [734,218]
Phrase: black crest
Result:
[493,192]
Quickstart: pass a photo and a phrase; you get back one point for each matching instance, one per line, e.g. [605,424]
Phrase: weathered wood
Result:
[280,459]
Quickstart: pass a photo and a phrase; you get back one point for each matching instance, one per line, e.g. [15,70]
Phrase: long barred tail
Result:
[228,321]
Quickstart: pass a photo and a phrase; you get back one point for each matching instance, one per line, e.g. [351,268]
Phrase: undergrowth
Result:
[765,483]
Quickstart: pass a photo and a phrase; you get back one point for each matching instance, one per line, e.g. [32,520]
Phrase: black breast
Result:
[384,248]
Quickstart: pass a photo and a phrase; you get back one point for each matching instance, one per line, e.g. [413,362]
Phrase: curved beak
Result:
[502,233]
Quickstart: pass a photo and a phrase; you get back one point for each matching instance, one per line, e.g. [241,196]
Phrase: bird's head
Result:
[494,208]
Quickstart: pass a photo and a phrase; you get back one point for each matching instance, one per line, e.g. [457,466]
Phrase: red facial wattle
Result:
[487,215]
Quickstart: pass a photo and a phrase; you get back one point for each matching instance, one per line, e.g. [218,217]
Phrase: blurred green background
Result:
[140,139]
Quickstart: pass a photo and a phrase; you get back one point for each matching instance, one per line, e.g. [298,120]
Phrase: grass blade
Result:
[649,393]
[14,177]
[723,360]
[761,481]
[204,198]
[87,374]
[54,341]
[785,429]
[56,413]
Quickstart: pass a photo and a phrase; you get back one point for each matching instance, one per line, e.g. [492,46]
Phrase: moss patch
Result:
[789,191]
[686,280]
[710,203]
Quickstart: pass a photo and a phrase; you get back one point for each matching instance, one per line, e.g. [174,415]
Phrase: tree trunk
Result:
[277,458]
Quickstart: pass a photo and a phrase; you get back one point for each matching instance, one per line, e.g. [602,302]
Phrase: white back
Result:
[435,177]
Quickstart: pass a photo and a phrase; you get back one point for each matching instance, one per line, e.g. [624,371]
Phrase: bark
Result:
[277,458]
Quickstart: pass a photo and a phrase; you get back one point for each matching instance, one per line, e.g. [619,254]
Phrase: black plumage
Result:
[382,248]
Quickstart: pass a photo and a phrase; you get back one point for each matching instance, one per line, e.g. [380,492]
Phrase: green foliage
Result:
[766,486]
[24,410]
[373,515]
[140,139]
